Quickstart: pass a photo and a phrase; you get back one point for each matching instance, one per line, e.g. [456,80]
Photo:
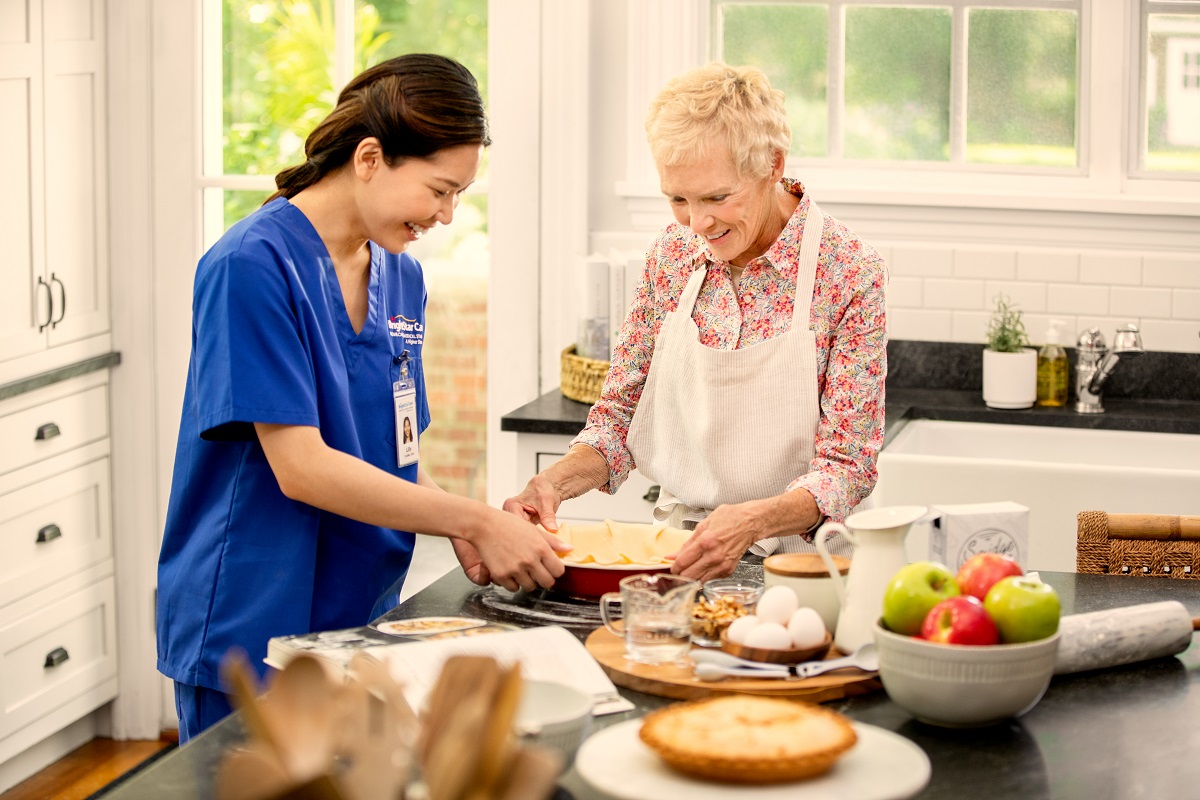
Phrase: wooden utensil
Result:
[251,774]
[304,701]
[1161,527]
[239,678]
[497,750]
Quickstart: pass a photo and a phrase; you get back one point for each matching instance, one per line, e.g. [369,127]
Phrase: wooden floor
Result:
[85,771]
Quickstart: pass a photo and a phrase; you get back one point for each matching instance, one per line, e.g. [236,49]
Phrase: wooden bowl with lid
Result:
[807,576]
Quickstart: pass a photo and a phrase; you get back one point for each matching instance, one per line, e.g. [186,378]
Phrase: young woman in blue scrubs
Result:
[296,492]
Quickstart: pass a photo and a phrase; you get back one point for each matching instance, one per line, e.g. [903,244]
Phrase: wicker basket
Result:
[582,377]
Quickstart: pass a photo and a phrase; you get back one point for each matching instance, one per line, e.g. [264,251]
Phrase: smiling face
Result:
[398,204]
[738,217]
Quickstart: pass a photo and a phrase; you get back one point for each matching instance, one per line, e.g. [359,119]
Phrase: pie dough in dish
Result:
[611,543]
[748,739]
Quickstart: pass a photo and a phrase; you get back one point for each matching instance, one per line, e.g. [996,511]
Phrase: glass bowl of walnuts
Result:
[720,602]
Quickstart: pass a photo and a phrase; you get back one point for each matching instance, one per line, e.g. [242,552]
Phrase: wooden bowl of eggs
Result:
[778,632]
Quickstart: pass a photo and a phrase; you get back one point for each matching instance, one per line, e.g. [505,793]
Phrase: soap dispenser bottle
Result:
[1053,369]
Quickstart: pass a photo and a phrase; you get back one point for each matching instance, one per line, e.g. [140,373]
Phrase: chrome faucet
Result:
[1096,363]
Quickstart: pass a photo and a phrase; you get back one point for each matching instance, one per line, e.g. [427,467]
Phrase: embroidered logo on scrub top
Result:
[410,330]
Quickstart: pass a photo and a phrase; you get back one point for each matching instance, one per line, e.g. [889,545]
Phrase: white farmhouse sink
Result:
[1056,472]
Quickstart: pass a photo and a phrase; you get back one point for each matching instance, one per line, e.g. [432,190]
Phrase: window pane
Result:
[796,64]
[277,72]
[236,204]
[1173,93]
[898,83]
[1021,87]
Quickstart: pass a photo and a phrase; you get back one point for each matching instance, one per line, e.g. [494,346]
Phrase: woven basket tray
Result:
[582,377]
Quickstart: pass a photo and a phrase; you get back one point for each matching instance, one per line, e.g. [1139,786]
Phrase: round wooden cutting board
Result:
[678,682]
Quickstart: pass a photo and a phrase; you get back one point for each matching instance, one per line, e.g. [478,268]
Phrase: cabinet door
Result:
[76,168]
[24,302]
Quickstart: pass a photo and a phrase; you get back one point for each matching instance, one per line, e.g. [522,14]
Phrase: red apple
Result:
[960,620]
[1024,609]
[982,571]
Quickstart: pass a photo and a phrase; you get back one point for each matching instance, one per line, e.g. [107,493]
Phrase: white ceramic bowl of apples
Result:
[971,649]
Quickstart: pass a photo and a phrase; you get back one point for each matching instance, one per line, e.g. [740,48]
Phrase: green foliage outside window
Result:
[278,70]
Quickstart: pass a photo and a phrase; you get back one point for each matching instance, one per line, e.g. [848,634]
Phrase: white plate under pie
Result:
[426,626]
[881,766]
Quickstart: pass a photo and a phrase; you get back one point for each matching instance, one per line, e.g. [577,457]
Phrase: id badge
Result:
[404,400]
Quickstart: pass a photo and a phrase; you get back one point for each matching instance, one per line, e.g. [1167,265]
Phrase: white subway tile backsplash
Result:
[980,263]
[1067,299]
[1058,266]
[1120,270]
[924,326]
[1180,272]
[1134,301]
[922,261]
[953,294]
[1026,296]
[970,326]
[940,292]
[1171,336]
[905,293]
[1186,304]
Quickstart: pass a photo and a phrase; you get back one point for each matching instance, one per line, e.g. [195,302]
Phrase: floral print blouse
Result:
[847,318]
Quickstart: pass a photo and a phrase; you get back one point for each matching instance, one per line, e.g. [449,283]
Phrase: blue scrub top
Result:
[272,343]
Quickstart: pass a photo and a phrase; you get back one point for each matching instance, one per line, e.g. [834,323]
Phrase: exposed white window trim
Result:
[663,42]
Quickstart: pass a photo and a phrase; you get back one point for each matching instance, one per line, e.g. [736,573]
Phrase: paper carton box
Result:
[960,531]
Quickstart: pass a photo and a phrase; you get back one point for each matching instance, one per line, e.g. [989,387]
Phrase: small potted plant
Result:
[1009,363]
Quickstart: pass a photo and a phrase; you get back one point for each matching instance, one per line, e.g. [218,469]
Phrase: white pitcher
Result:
[878,538]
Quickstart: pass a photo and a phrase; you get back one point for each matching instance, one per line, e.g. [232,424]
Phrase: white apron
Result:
[698,430]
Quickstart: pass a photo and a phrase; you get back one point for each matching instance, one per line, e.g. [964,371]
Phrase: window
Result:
[1170,113]
[999,86]
[952,82]
[272,70]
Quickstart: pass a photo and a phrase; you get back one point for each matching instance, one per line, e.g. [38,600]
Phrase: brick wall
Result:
[454,447]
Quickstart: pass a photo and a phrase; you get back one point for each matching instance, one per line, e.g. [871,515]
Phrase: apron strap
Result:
[806,272]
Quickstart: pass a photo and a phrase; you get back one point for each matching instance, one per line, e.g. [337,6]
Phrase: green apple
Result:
[913,591]
[1023,608]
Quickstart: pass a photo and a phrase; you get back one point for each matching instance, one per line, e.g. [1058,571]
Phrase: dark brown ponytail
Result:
[415,105]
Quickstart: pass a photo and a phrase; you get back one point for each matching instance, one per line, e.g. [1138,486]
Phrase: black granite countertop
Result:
[1157,392]
[1119,733]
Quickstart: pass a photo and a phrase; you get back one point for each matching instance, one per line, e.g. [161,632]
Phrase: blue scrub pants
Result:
[199,708]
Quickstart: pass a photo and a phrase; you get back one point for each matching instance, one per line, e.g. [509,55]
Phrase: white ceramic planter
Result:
[1010,379]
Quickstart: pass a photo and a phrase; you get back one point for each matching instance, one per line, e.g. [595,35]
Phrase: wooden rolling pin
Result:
[1159,527]
[1117,636]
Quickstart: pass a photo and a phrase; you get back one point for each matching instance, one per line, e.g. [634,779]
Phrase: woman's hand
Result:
[515,554]
[537,503]
[471,561]
[719,542]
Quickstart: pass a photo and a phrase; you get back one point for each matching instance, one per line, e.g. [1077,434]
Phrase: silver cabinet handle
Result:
[55,657]
[62,305]
[651,495]
[47,431]
[49,303]
[49,533]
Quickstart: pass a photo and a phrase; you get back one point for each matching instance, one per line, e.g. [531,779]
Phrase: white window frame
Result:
[667,37]
[1138,26]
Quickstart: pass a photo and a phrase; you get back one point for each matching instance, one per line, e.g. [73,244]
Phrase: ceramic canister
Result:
[806,575]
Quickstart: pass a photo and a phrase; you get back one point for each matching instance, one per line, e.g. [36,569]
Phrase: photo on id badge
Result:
[404,395]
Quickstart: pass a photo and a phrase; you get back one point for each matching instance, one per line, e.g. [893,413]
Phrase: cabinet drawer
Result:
[627,505]
[53,528]
[62,424]
[53,654]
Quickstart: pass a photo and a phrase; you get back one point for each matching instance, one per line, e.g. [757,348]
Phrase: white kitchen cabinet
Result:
[57,590]
[631,503]
[53,212]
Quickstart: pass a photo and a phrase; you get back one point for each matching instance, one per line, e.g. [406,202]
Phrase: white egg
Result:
[776,605]
[769,635]
[806,628]
[737,630]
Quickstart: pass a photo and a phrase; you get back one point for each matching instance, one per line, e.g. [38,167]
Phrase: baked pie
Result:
[748,739]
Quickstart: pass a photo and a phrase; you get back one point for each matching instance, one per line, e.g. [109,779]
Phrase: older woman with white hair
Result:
[748,380]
